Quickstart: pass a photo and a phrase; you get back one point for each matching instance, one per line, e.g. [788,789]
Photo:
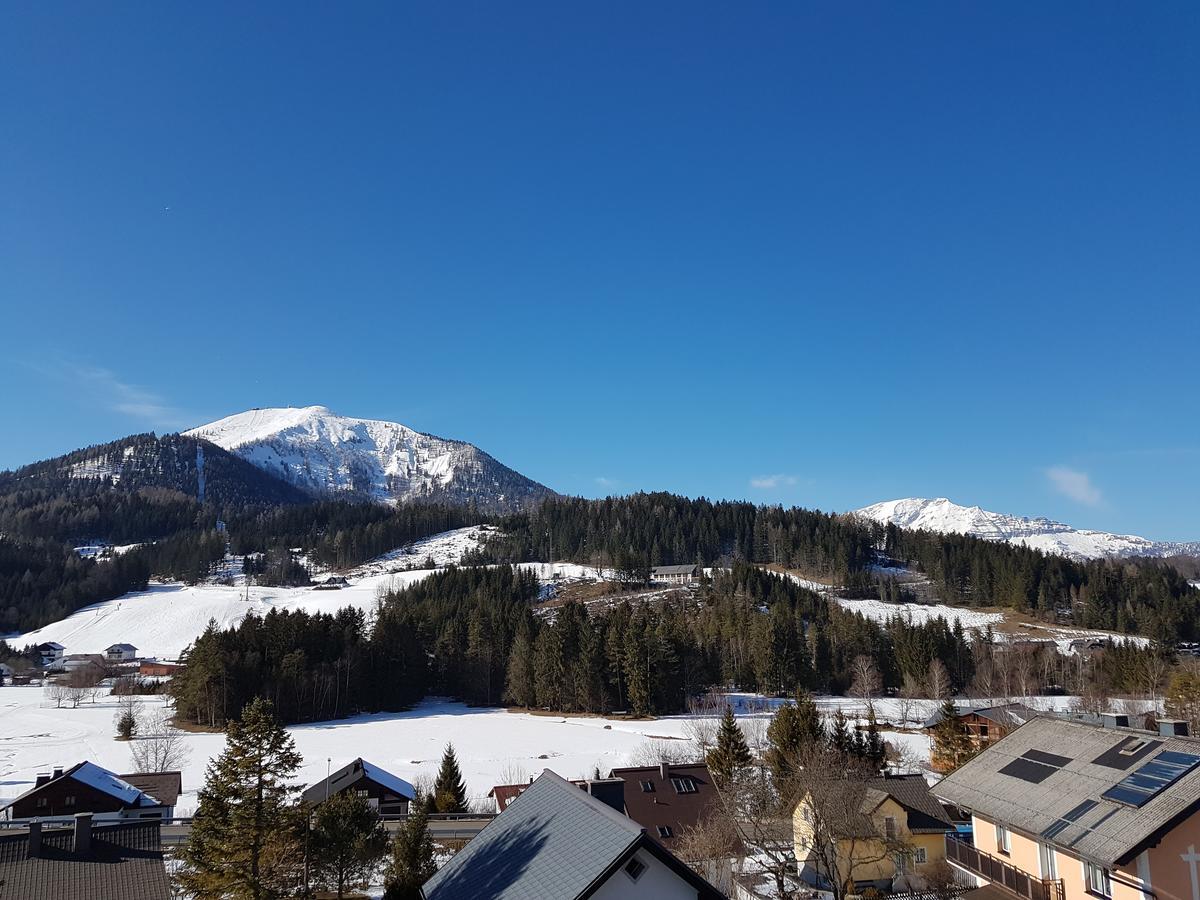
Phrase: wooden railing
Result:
[1001,873]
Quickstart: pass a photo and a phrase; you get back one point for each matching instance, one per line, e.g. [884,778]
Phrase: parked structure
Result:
[675,574]
[1065,810]
[893,840]
[86,788]
[119,653]
[985,725]
[91,861]
[51,654]
[556,840]
[387,793]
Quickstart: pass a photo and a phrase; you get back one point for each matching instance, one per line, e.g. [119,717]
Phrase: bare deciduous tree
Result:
[866,680]
[159,746]
[937,683]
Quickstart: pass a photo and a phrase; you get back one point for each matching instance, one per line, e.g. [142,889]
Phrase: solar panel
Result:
[1126,753]
[1028,770]
[1077,813]
[1049,759]
[1139,787]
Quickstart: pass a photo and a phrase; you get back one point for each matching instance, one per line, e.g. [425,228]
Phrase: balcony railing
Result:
[1000,872]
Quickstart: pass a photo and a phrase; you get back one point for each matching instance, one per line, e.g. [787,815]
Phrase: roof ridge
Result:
[598,805]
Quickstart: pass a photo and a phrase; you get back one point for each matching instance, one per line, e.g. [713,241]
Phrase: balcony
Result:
[1001,873]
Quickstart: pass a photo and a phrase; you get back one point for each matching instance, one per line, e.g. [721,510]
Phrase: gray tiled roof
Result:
[125,863]
[1108,832]
[673,570]
[1008,714]
[550,843]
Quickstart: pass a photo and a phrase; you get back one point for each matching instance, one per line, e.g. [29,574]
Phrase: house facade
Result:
[50,654]
[667,800]
[896,839]
[119,653]
[86,788]
[1067,810]
[675,574]
[385,792]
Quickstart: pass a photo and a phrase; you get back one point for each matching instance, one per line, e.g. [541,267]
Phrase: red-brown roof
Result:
[666,803]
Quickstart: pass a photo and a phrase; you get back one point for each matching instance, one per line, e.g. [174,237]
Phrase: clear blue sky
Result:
[823,254]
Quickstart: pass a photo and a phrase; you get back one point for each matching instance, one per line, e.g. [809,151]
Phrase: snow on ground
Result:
[919,613]
[447,548]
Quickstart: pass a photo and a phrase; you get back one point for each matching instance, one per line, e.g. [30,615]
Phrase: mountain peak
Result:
[325,453]
[945,516]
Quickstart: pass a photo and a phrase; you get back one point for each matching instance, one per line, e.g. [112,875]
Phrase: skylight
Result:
[1144,784]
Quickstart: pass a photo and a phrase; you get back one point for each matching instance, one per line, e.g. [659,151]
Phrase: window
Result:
[1003,840]
[634,868]
[42,802]
[1098,882]
[684,785]
[664,831]
[69,800]
[983,731]
[361,792]
[1048,861]
[647,787]
[920,856]
[889,827]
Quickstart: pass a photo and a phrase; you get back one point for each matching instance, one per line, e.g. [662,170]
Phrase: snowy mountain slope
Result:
[1038,533]
[324,453]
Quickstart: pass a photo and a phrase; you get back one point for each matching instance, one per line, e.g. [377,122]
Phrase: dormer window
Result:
[684,785]
[647,787]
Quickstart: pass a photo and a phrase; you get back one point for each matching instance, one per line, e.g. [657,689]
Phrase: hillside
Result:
[945,517]
[327,454]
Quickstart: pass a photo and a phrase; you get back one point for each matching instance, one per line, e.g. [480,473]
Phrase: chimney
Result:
[664,770]
[42,778]
[1172,728]
[83,834]
[35,840]
[57,773]
[1114,720]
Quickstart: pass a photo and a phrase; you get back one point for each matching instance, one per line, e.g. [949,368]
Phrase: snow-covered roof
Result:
[393,783]
[103,780]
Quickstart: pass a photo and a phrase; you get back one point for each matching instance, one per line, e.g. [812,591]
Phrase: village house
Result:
[50,653]
[120,653]
[675,574]
[385,792]
[555,840]
[1066,810]
[92,860]
[892,840]
[984,724]
[158,668]
[610,791]
[88,788]
[667,800]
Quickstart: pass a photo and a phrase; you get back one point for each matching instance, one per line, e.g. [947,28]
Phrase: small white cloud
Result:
[1074,484]
[128,399]
[606,482]
[768,482]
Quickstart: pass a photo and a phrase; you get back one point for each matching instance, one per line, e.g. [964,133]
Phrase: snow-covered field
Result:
[491,744]
[919,613]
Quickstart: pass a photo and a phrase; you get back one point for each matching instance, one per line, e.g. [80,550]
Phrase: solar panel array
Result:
[1139,787]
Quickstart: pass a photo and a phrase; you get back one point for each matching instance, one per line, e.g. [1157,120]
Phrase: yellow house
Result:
[1064,810]
[886,833]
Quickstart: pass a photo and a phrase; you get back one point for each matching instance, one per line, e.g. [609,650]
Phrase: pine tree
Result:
[519,684]
[731,753]
[411,864]
[449,792]
[952,743]
[346,843]
[874,749]
[245,837]
[839,736]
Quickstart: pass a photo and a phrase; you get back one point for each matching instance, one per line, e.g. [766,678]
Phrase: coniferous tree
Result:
[840,740]
[411,863]
[952,743]
[346,843]
[731,753]
[449,791]
[874,750]
[245,837]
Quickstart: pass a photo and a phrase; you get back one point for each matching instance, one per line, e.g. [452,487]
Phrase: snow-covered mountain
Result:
[324,453]
[1039,533]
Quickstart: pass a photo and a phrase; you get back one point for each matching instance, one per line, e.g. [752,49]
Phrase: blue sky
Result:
[822,254]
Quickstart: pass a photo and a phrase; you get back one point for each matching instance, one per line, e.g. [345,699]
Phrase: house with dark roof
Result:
[606,790]
[165,787]
[1067,810]
[889,833]
[667,800]
[387,793]
[50,653]
[89,861]
[557,842]
[984,724]
[675,574]
[118,653]
[87,788]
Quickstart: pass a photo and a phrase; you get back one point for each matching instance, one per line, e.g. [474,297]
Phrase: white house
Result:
[119,653]
[51,653]
[675,574]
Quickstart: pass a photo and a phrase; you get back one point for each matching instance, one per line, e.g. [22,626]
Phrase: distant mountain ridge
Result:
[326,454]
[1039,533]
